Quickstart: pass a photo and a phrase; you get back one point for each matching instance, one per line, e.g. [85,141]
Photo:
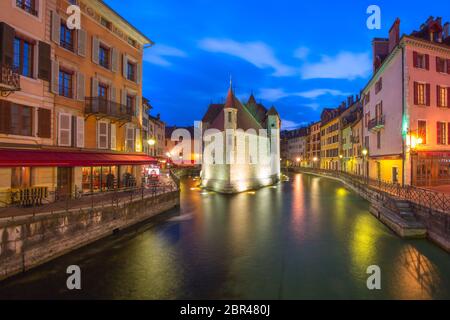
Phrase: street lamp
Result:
[151,142]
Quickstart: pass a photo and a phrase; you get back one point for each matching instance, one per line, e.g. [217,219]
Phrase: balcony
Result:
[103,108]
[377,124]
[9,80]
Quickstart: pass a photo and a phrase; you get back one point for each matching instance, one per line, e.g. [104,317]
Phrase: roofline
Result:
[394,51]
[149,41]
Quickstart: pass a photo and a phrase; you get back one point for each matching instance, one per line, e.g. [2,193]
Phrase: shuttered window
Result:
[66,37]
[65,83]
[16,119]
[44,123]
[113,137]
[80,132]
[44,61]
[441,132]
[65,129]
[129,142]
[82,38]
[102,136]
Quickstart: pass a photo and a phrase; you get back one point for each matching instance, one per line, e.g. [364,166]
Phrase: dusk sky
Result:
[300,56]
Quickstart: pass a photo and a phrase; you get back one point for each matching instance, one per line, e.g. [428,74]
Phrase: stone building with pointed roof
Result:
[242,145]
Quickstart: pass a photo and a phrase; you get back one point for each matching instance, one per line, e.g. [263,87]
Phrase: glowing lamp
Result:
[365,152]
[151,142]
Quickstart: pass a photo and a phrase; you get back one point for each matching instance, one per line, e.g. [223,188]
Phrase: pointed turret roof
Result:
[251,100]
[272,112]
[230,102]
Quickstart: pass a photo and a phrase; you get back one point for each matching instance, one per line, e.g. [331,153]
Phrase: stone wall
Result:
[28,242]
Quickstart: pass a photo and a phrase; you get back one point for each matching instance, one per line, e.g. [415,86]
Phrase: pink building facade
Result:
[407,107]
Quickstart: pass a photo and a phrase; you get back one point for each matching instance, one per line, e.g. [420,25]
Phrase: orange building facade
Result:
[79,98]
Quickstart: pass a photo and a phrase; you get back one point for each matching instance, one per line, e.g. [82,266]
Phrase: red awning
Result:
[44,158]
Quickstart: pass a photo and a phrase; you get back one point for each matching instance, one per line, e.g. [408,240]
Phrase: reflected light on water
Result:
[363,243]
[417,275]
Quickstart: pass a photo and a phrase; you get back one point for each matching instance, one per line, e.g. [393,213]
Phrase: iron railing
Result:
[108,108]
[423,197]
[9,77]
[377,123]
[57,201]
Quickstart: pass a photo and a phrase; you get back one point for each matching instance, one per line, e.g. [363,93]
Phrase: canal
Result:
[309,238]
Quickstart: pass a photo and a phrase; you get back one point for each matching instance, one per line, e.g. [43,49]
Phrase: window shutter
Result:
[65,130]
[56,28]
[55,77]
[113,97]
[114,60]
[7,34]
[82,39]
[94,88]
[5,116]
[415,59]
[81,83]
[448,97]
[438,95]
[137,138]
[45,63]
[416,93]
[95,49]
[439,135]
[437,65]
[44,123]
[137,105]
[124,97]
[138,73]
[428,89]
[448,133]
[427,62]
[124,65]
[102,135]
[80,132]
[448,66]
[113,137]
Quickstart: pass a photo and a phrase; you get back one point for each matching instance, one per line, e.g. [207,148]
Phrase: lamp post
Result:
[365,152]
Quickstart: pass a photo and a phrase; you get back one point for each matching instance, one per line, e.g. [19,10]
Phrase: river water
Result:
[309,238]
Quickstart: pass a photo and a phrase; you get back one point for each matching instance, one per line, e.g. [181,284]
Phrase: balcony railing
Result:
[108,109]
[9,78]
[377,123]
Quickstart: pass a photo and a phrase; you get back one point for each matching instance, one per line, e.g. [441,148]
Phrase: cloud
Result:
[289,125]
[312,94]
[257,53]
[159,53]
[301,53]
[274,94]
[346,65]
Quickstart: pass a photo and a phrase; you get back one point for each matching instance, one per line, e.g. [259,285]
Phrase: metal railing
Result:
[10,77]
[57,201]
[419,196]
[377,123]
[101,106]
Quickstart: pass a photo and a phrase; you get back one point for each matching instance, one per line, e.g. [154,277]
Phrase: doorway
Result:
[64,183]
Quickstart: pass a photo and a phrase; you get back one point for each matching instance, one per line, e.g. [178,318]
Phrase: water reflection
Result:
[417,274]
[308,238]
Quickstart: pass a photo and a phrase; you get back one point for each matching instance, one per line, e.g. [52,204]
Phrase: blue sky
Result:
[300,56]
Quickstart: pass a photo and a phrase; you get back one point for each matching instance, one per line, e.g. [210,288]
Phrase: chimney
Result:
[394,35]
[380,49]
[446,31]
[350,100]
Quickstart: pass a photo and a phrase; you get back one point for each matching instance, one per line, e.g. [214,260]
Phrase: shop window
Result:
[21,177]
